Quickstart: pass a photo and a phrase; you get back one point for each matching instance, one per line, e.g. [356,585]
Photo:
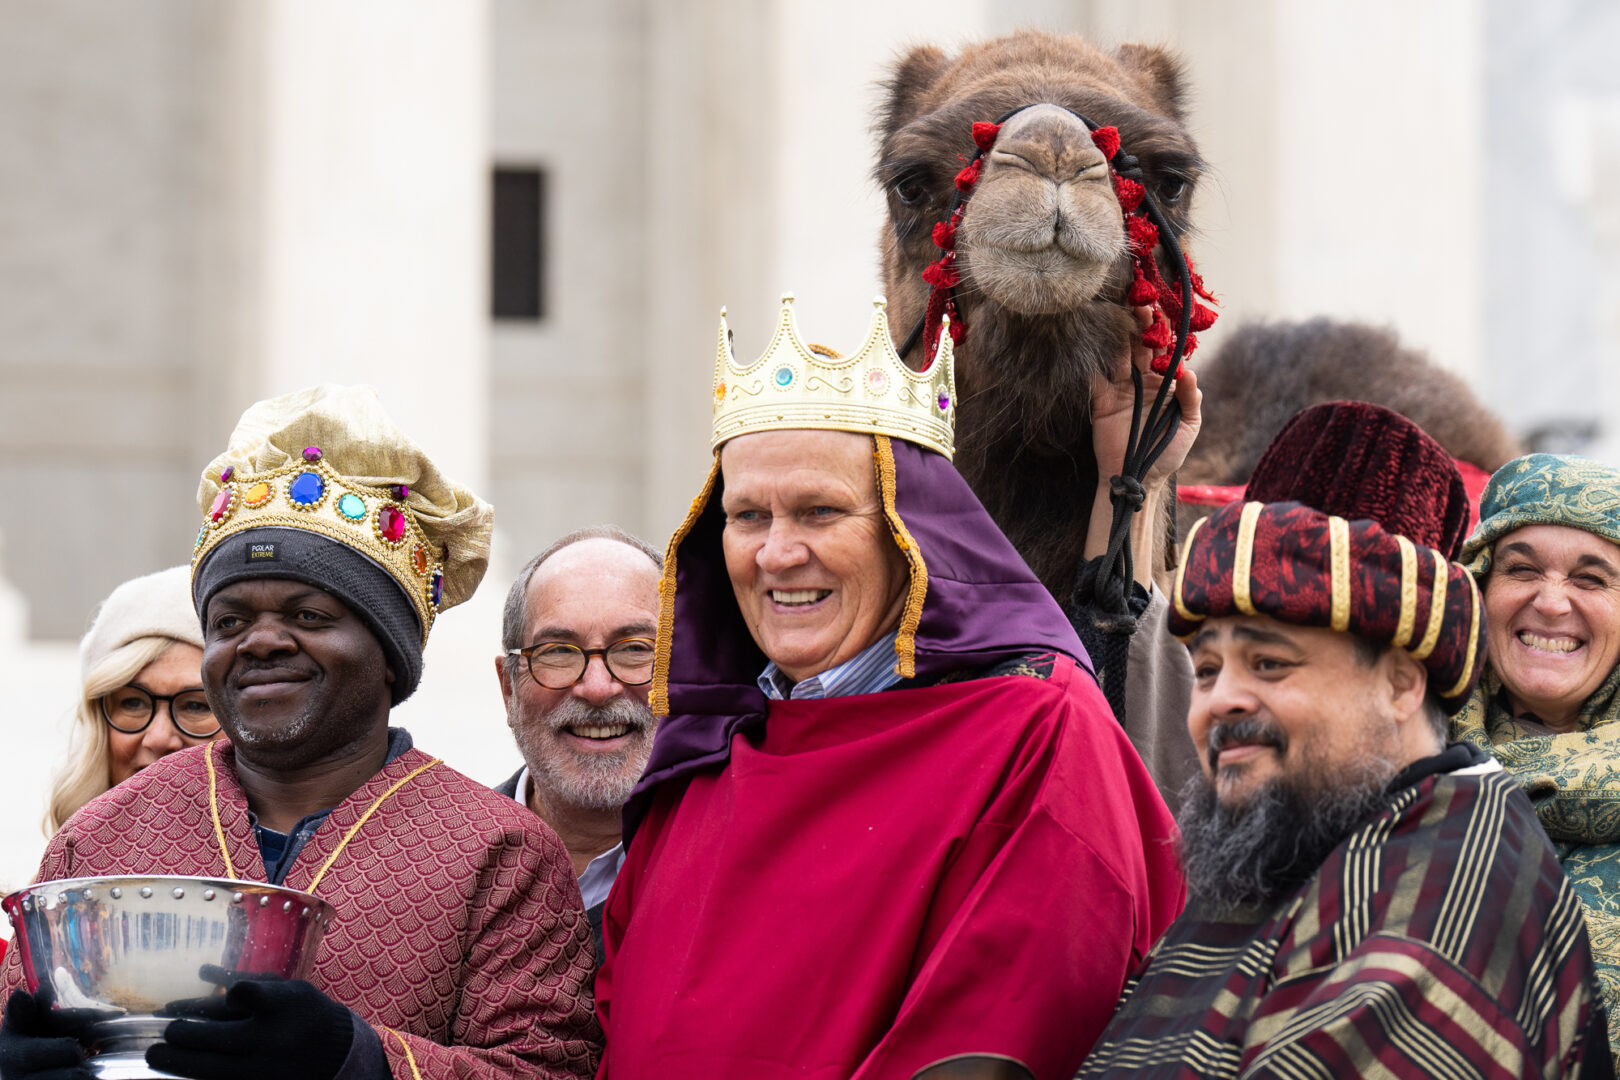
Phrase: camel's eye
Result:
[1171,189]
[909,190]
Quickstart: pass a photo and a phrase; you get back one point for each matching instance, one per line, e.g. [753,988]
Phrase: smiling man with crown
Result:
[890,827]
[329,545]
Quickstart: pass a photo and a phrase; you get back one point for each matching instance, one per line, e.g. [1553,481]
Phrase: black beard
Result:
[1261,850]
[337,716]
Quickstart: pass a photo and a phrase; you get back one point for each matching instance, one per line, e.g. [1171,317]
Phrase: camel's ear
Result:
[913,77]
[1161,71]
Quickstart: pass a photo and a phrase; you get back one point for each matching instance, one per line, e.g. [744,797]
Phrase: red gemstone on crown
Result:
[312,454]
[391,523]
[221,505]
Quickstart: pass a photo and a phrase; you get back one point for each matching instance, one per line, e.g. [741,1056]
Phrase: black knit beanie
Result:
[351,576]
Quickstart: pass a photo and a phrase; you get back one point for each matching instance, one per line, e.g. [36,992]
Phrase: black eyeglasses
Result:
[131,709]
[557,665]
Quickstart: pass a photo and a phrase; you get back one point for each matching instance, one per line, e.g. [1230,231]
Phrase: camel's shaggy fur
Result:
[1265,373]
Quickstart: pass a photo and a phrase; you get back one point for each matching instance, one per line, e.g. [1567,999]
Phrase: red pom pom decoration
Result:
[941,275]
[1157,336]
[1129,193]
[984,135]
[1142,293]
[945,235]
[1106,139]
[968,176]
[1144,235]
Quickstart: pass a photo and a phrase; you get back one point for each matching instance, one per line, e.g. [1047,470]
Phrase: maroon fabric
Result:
[1290,579]
[1355,460]
[458,920]
[870,884]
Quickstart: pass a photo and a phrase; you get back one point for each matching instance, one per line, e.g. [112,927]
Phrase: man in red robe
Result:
[890,827]
[458,946]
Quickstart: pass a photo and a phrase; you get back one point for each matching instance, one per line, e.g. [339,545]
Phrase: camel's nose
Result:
[1051,142]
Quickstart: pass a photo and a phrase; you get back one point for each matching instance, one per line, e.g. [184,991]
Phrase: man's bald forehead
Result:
[592,555]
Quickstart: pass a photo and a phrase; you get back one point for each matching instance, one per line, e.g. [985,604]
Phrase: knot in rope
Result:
[1127,489]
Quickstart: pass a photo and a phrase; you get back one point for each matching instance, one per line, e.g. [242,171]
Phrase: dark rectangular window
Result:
[518,244]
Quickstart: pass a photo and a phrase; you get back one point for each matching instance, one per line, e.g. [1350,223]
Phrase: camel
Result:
[1265,373]
[1042,250]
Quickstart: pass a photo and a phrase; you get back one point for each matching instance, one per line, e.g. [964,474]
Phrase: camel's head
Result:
[1042,248]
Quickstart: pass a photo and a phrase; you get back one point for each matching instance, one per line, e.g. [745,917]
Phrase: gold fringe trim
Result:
[905,645]
[1437,609]
[219,830]
[355,828]
[1245,557]
[658,696]
[1473,640]
[213,810]
[1403,628]
[1181,573]
[410,1058]
[1339,573]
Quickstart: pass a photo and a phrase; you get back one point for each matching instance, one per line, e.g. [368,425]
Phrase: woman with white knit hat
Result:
[140,689]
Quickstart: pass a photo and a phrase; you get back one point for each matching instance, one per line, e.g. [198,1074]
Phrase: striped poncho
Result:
[1440,939]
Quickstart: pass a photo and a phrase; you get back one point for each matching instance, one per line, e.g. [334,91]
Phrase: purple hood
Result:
[982,605]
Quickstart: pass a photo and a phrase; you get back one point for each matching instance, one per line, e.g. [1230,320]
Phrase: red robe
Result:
[458,931]
[875,883]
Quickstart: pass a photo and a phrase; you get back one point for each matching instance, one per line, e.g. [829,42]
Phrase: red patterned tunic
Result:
[459,934]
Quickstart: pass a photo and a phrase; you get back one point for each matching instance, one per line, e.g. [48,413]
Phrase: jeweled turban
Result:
[321,486]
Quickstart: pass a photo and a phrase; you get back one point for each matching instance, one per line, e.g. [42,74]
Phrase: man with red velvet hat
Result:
[1364,900]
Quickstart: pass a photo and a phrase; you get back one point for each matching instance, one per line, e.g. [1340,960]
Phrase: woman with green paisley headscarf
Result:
[1547,557]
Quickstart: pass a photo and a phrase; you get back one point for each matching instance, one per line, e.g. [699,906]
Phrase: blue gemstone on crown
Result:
[352,507]
[436,588]
[306,488]
[784,376]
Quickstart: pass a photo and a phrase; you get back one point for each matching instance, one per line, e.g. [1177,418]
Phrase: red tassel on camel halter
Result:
[1148,287]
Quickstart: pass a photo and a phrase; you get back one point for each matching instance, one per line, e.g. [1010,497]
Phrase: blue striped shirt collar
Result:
[867,672]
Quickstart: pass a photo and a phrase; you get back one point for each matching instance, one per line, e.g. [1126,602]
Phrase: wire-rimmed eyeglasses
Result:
[131,710]
[557,665]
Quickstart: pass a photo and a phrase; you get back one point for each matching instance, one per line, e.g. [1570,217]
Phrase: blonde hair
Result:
[86,771]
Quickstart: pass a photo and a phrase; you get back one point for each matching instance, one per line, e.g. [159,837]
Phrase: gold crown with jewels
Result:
[796,385]
[306,493]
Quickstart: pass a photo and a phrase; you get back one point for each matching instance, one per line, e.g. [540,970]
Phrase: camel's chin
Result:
[1036,282]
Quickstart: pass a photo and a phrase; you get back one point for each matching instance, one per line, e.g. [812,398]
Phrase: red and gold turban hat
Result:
[1346,567]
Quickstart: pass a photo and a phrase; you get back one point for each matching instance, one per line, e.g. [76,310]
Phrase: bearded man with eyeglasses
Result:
[577,641]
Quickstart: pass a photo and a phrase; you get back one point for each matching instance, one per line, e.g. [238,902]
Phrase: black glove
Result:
[39,1044]
[262,1029]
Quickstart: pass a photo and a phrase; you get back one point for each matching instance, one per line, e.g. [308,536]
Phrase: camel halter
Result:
[1148,229]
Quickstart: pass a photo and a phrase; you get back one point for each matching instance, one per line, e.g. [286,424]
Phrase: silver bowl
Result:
[122,948]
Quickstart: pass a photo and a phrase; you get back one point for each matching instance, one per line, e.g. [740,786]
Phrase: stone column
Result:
[371,211]
[364,185]
[712,129]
